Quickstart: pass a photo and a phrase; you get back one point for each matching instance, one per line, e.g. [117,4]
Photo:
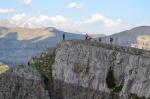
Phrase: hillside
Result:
[79,69]
[128,37]
[3,68]
[17,44]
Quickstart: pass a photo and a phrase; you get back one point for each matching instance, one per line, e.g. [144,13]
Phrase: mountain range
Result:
[18,44]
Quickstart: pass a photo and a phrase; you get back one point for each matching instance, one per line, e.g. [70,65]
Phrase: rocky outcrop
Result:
[22,82]
[86,64]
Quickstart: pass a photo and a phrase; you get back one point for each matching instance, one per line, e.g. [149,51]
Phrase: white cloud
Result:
[7,10]
[98,17]
[27,2]
[97,23]
[24,20]
[75,5]
[20,17]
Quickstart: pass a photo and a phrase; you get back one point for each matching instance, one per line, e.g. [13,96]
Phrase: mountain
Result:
[17,43]
[128,37]
[79,69]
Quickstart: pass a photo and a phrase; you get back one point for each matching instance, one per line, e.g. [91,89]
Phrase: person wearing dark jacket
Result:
[100,39]
[111,40]
[86,36]
[63,36]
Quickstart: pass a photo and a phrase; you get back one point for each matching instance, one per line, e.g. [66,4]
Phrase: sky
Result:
[81,16]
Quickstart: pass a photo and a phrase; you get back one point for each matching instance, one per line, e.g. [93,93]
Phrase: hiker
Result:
[63,36]
[28,63]
[100,39]
[86,37]
[111,40]
[90,38]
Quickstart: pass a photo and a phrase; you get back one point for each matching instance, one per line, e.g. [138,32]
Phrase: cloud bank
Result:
[95,24]
[58,19]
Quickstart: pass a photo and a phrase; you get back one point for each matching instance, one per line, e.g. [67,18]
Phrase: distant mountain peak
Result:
[139,27]
[52,29]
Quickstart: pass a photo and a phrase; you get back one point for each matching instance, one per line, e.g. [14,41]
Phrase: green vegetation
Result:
[44,66]
[110,80]
[118,89]
[3,68]
[134,96]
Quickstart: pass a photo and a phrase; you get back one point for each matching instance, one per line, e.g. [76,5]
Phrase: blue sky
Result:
[86,16]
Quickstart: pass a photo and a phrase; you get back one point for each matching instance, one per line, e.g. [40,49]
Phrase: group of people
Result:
[100,39]
[90,38]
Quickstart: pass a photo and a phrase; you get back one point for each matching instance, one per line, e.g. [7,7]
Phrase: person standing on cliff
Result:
[86,37]
[28,63]
[63,36]
[111,40]
[100,39]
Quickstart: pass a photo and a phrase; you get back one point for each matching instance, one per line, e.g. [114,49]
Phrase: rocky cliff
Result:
[79,69]
[22,82]
[86,65]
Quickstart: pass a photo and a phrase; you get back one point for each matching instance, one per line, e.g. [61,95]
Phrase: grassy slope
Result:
[3,68]
[44,66]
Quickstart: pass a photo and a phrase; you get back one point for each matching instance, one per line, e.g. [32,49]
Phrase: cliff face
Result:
[22,82]
[85,64]
[79,69]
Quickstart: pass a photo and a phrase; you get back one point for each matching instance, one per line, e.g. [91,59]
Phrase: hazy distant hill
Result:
[17,44]
[128,37]
[97,35]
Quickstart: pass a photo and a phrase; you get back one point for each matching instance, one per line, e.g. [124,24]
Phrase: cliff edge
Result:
[79,69]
